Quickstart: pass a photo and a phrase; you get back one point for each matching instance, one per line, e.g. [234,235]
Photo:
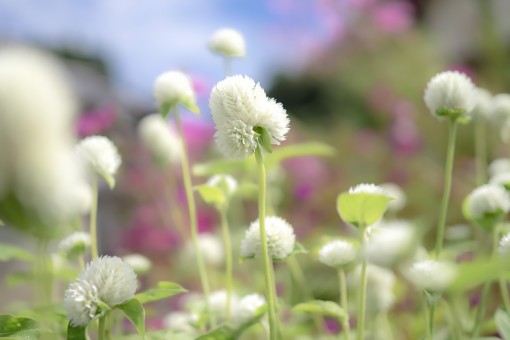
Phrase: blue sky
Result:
[141,39]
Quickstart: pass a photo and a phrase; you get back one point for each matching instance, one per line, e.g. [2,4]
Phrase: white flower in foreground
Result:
[246,307]
[370,189]
[228,42]
[380,286]
[390,242]
[174,87]
[160,139]
[450,94]
[74,244]
[500,165]
[504,245]
[212,249]
[180,321]
[338,253]
[101,155]
[399,196]
[218,302]
[226,183]
[139,263]
[501,179]
[501,107]
[483,103]
[431,275]
[239,106]
[107,279]
[488,200]
[280,239]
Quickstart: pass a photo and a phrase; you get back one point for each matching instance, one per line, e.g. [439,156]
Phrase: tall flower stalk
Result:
[343,302]
[481,113]
[363,287]
[93,218]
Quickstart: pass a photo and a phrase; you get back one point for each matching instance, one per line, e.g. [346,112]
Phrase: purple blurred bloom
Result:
[393,17]
[199,135]
[96,121]
[331,325]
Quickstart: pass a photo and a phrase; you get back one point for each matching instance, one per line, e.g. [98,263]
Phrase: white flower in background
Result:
[212,249]
[502,179]
[160,139]
[399,196]
[180,321]
[432,275]
[458,232]
[238,106]
[338,253]
[139,263]
[228,42]
[380,286]
[107,279]
[504,245]
[74,244]
[280,239]
[218,302]
[101,156]
[174,87]
[246,307]
[370,189]
[505,131]
[389,242]
[450,93]
[36,135]
[226,183]
[501,108]
[500,165]
[488,199]
[483,103]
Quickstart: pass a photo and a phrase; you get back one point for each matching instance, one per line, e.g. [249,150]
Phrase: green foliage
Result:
[503,324]
[362,209]
[17,327]
[223,332]
[163,290]
[134,311]
[9,252]
[472,274]
[264,138]
[325,308]
[211,195]
[76,332]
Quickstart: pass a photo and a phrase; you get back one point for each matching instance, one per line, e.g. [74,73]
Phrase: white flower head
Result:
[338,253]
[502,179]
[487,200]
[501,108]
[81,302]
[247,307]
[174,87]
[280,239]
[212,250]
[504,245]
[399,196]
[500,165]
[218,302]
[450,93]
[370,189]
[228,42]
[380,286]
[432,275]
[74,244]
[390,242]
[483,103]
[239,106]
[226,183]
[101,155]
[180,321]
[160,139]
[139,263]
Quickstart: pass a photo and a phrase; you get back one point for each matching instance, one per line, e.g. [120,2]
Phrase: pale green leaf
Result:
[164,109]
[190,106]
[11,325]
[503,324]
[361,209]
[134,311]
[264,138]
[325,308]
[221,333]
[76,332]
[211,195]
[163,290]
[301,150]
[9,252]
[472,274]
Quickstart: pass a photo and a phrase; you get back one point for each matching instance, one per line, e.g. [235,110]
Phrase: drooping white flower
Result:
[238,106]
[246,307]
[501,108]
[338,253]
[228,42]
[502,179]
[399,196]
[504,245]
[74,244]
[280,239]
[226,183]
[139,263]
[101,156]
[180,321]
[483,103]
[160,139]
[488,199]
[365,188]
[107,279]
[450,93]
[390,242]
[432,275]
[174,87]
[500,165]
[380,286]
[212,250]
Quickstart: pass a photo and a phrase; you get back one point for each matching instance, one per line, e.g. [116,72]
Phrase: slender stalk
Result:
[228,262]
[481,150]
[431,310]
[504,293]
[428,330]
[93,219]
[176,217]
[269,281]
[192,210]
[227,66]
[81,261]
[101,329]
[363,296]
[343,302]
[452,132]
[43,274]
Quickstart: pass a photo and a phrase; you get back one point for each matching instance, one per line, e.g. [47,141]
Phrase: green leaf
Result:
[76,332]
[164,109]
[472,274]
[362,209]
[264,138]
[301,150]
[503,324]
[211,195]
[134,311]
[11,325]
[9,252]
[299,249]
[221,333]
[257,316]
[326,308]
[109,179]
[191,106]
[163,290]
[247,190]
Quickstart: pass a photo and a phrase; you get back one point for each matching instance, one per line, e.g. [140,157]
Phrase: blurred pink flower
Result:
[96,121]
[331,325]
[308,174]
[405,138]
[150,240]
[199,135]
[393,17]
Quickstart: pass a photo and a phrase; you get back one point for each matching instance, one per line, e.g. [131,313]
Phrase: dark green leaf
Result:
[134,311]
[163,290]
[76,332]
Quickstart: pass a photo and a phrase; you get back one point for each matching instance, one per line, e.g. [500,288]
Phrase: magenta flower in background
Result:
[96,121]
[404,135]
[150,240]
[331,325]
[308,174]
[199,135]
[393,17]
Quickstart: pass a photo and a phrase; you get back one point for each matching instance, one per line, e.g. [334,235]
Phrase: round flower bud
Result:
[432,275]
[174,87]
[338,253]
[226,183]
[280,239]
[75,244]
[101,155]
[488,201]
[239,106]
[504,245]
[483,104]
[399,196]
[106,279]
[500,165]
[139,263]
[228,42]
[160,139]
[450,94]
[247,307]
[501,108]
[212,250]
[389,242]
[501,179]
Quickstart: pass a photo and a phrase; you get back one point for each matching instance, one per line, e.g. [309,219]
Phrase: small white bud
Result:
[500,165]
[504,245]
[228,42]
[246,308]
[74,244]
[174,87]
[399,196]
[160,139]
[488,199]
[100,154]
[226,183]
[338,253]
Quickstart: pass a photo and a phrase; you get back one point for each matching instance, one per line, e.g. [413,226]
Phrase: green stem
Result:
[363,296]
[343,302]
[227,66]
[101,329]
[192,210]
[452,132]
[81,261]
[504,293]
[269,282]
[431,311]
[44,274]
[228,262]
[93,218]
[481,150]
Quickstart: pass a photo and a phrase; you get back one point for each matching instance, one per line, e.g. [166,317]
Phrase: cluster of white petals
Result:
[211,247]
[75,243]
[389,242]
[100,154]
[500,165]
[432,275]
[370,189]
[160,139]
[380,286]
[501,108]
[218,302]
[226,183]
[246,308]
[501,179]
[228,42]
[180,321]
[239,105]
[338,253]
[174,87]
[488,199]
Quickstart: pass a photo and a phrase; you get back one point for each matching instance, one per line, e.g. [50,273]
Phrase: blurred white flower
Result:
[370,189]
[140,264]
[74,244]
[211,247]
[380,286]
[338,253]
[238,106]
[101,156]
[280,239]
[432,275]
[504,245]
[226,183]
[246,307]
[483,103]
[450,91]
[180,321]
[174,87]
[390,242]
[399,196]
[501,108]
[502,179]
[500,165]
[488,199]
[218,302]
[160,139]
[228,42]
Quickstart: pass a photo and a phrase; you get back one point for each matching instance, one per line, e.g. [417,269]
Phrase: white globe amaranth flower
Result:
[483,104]
[75,244]
[501,108]
[228,42]
[450,94]
[211,247]
[239,106]
[101,156]
[504,245]
[399,196]
[432,275]
[500,165]
[160,138]
[380,286]
[501,179]
[368,188]
[338,253]
[280,239]
[246,308]
[172,88]
[81,302]
[226,183]
[140,264]
[390,242]
[218,302]
[180,321]
[488,201]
